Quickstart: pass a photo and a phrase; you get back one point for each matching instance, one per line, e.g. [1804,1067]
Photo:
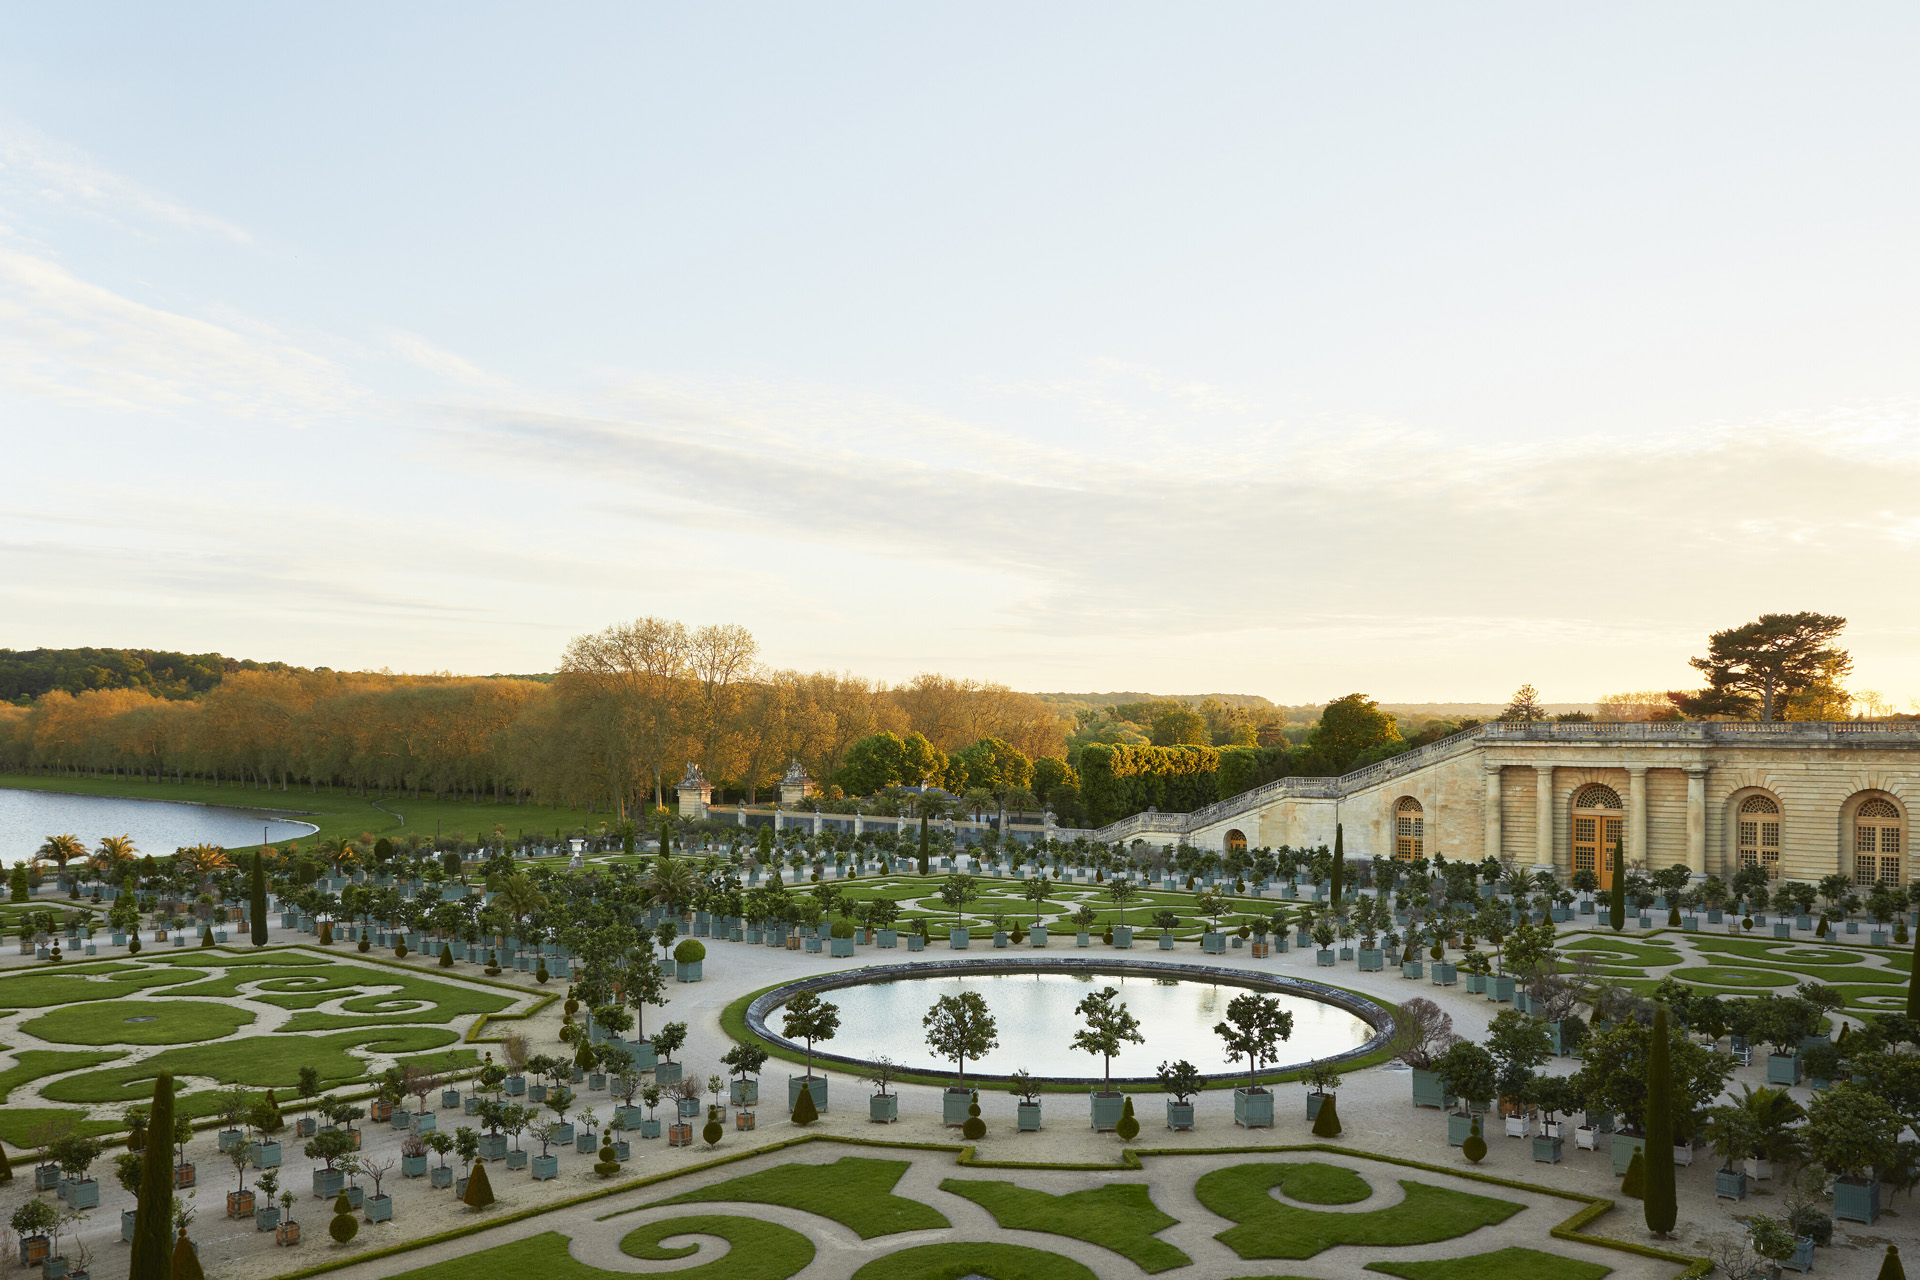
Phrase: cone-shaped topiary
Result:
[1129,1126]
[1635,1183]
[1661,1207]
[1475,1147]
[479,1189]
[974,1127]
[804,1112]
[186,1263]
[326,933]
[1673,919]
[1327,1123]
[1890,1268]
[1820,930]
[609,1162]
[446,956]
[344,1226]
[154,1212]
[206,935]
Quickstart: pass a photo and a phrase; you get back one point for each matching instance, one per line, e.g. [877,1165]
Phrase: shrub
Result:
[975,1128]
[609,1163]
[692,950]
[1635,1183]
[1474,1148]
[841,929]
[1129,1126]
[344,1226]
[365,945]
[400,950]
[479,1189]
[446,956]
[1327,1123]
[804,1112]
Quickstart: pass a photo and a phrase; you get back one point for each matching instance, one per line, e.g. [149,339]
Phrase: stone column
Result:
[1637,815]
[1543,815]
[1697,818]
[1493,811]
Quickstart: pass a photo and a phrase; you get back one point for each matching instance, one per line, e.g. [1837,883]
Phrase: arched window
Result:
[1599,825]
[1879,844]
[1760,834]
[1409,829]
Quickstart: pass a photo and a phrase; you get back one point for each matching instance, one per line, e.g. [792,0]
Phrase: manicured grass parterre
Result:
[259,1062]
[855,1192]
[45,988]
[962,1258]
[1121,1217]
[1502,1264]
[34,1064]
[756,1250]
[150,1021]
[1269,1229]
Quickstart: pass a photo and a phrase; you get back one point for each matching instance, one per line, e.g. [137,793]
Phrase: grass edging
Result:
[733,1021]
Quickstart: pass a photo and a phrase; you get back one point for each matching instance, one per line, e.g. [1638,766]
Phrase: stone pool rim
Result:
[1368,1011]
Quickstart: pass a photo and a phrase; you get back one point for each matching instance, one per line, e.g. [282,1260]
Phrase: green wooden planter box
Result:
[1623,1148]
[1253,1110]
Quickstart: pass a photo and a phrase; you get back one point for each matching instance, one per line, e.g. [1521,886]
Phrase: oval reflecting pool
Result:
[1035,1013]
[158,827]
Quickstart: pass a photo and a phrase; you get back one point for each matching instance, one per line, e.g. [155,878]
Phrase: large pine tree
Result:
[1660,1203]
[152,1254]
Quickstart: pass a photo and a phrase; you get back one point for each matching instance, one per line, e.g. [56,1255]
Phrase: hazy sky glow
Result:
[1283,349]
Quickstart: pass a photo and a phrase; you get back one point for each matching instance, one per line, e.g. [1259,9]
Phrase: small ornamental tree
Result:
[1181,1079]
[807,1017]
[960,1027]
[1852,1131]
[1109,1026]
[1254,1027]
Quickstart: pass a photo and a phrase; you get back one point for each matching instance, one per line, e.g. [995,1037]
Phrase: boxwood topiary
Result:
[974,1128]
[1129,1126]
[1474,1148]
[842,929]
[344,1227]
[690,951]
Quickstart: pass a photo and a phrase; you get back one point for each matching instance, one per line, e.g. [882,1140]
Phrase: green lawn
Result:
[1722,976]
[962,1258]
[114,1022]
[1620,951]
[1502,1264]
[1269,1229]
[1121,1217]
[756,1250]
[32,1064]
[1799,954]
[20,1126]
[44,988]
[854,1191]
[260,1062]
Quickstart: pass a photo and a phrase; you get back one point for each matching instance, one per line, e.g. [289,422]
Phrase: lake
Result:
[158,827]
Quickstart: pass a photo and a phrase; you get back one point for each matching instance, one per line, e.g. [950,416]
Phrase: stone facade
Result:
[1676,792]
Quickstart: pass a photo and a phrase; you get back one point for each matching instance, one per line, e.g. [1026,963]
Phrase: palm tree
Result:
[521,898]
[114,849]
[61,848]
[669,883]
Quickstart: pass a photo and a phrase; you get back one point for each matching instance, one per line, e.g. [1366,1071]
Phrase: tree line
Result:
[614,728]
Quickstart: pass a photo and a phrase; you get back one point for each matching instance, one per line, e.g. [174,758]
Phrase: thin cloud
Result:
[36,167]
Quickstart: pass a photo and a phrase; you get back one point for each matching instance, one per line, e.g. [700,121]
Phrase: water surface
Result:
[158,827]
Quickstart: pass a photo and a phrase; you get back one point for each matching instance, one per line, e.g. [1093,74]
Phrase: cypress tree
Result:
[257,901]
[152,1253]
[1660,1205]
[923,849]
[1327,1123]
[1617,896]
[1339,863]
[1913,981]
[666,834]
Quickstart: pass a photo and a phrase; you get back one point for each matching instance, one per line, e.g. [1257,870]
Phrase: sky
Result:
[1273,348]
